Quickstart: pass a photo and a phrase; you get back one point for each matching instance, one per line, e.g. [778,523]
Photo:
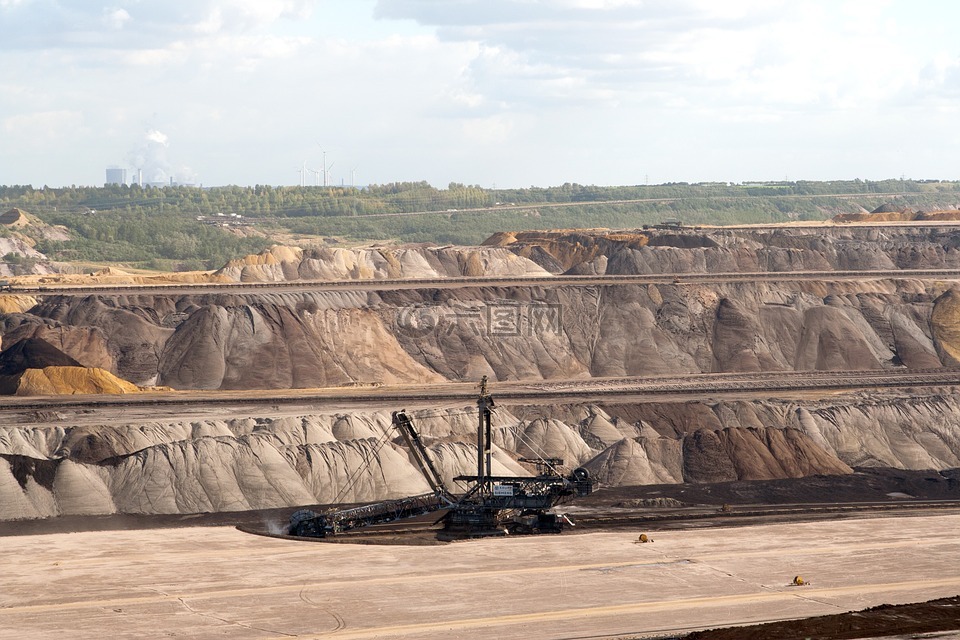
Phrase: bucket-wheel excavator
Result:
[491,506]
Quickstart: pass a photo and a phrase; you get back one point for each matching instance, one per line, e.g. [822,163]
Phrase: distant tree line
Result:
[408,197]
[159,226]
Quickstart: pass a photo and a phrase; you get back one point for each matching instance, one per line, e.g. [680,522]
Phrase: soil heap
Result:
[35,367]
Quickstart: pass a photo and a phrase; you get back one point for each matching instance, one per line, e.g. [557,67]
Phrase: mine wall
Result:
[306,340]
[264,462]
[248,341]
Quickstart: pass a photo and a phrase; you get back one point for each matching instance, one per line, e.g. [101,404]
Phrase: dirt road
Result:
[98,409]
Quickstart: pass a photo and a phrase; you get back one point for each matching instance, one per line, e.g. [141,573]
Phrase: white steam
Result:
[150,156]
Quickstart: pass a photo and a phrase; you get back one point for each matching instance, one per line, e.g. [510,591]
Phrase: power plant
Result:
[116,175]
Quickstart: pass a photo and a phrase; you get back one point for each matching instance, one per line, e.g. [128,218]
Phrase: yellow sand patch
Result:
[274,255]
[15,218]
[112,276]
[889,216]
[16,304]
[945,322]
[72,380]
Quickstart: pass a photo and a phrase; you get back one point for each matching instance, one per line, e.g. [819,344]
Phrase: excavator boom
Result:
[403,424]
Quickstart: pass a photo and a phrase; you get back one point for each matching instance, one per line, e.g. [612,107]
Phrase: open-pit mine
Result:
[699,377]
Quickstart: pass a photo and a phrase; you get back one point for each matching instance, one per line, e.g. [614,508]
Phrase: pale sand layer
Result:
[219,582]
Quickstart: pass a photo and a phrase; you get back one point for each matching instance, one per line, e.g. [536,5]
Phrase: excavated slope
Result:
[262,462]
[891,213]
[309,339]
[715,250]
[281,263]
[32,353]
[86,345]
[302,340]
[32,367]
[945,324]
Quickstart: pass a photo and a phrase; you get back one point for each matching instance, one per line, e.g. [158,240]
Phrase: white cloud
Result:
[247,15]
[599,4]
[115,18]
[158,137]
[476,91]
[56,24]
[43,129]
[730,53]
[489,131]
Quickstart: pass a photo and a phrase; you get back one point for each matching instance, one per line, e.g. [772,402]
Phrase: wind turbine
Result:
[326,170]
[303,174]
[353,176]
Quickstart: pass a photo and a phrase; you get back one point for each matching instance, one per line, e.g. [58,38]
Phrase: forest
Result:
[179,227]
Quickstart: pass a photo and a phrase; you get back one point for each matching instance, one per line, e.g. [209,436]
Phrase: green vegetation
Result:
[180,227]
[18,264]
[145,239]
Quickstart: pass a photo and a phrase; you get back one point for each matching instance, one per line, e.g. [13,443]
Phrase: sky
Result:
[497,93]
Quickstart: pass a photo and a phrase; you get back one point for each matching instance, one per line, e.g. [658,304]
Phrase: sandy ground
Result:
[219,582]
